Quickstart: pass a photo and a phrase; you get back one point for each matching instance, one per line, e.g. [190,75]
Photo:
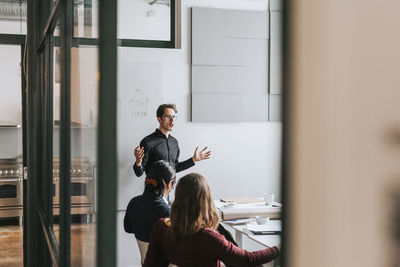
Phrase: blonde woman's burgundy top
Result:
[205,249]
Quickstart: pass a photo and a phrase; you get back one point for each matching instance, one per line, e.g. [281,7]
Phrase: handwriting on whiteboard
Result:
[137,105]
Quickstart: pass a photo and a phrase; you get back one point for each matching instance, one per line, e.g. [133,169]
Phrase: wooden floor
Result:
[83,244]
[11,254]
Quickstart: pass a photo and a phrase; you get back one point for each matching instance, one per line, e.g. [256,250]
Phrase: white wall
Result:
[245,156]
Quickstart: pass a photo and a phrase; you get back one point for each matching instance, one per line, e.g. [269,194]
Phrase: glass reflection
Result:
[13,17]
[85,19]
[84,95]
[144,20]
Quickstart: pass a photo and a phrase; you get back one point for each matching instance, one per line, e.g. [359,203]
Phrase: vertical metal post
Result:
[47,107]
[47,177]
[172,36]
[49,130]
[66,30]
[107,156]
[34,152]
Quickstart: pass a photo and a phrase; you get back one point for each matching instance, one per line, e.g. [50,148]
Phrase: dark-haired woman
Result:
[144,210]
[188,237]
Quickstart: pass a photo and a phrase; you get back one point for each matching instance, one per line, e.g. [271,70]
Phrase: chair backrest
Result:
[143,246]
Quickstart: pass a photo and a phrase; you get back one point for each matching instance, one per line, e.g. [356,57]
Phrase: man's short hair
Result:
[161,109]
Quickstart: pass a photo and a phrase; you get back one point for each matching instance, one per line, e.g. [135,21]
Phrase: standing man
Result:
[160,145]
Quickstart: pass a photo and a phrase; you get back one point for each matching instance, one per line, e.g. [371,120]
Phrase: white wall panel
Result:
[239,51]
[205,43]
[218,79]
[217,107]
[244,24]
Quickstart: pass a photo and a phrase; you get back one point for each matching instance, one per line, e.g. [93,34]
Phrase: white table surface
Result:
[265,240]
[241,229]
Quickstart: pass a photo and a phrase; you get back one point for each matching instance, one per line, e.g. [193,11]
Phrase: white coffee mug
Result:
[262,219]
[269,198]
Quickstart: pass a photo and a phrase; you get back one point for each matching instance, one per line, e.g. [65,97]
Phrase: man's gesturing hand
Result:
[202,154]
[139,154]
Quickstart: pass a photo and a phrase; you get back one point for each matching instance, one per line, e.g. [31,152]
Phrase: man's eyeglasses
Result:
[170,117]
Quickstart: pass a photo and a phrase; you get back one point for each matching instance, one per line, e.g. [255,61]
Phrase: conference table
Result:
[240,229]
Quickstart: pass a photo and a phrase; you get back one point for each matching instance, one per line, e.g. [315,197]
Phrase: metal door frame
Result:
[40,245]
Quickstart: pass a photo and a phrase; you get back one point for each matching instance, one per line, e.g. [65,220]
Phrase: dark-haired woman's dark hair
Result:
[159,175]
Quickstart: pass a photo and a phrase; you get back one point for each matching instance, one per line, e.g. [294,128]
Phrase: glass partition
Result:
[56,135]
[11,183]
[85,19]
[144,20]
[13,17]
[84,118]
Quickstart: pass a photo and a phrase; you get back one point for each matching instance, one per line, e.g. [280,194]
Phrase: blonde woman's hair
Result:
[193,207]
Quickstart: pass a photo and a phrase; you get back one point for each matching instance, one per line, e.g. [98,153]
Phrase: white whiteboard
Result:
[140,92]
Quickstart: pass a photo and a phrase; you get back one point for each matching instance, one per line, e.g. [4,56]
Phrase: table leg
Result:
[239,238]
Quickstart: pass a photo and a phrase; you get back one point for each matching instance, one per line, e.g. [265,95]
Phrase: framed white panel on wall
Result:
[229,65]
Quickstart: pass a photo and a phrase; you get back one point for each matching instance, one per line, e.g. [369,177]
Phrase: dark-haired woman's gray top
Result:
[142,212]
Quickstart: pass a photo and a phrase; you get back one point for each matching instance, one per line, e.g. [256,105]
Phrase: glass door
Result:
[71,125]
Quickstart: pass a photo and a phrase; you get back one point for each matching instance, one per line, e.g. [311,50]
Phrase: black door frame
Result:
[40,245]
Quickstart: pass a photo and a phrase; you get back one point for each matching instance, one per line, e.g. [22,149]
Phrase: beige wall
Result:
[344,155]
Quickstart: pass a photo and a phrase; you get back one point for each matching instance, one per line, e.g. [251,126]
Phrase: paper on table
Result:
[241,213]
[239,221]
[264,227]
[242,200]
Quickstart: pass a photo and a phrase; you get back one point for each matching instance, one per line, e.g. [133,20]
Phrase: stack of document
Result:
[246,207]
[240,212]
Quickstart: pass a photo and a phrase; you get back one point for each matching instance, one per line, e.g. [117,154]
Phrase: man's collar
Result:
[155,195]
[158,132]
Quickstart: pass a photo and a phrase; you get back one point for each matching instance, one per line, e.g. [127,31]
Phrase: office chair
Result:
[143,246]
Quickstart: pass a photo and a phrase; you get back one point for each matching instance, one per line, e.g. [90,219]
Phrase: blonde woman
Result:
[188,237]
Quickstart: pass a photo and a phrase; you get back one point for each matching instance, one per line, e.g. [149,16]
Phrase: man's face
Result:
[167,120]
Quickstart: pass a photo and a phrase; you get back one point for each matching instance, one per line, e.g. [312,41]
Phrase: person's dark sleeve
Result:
[127,225]
[155,256]
[233,255]
[166,211]
[139,170]
[226,234]
[181,166]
